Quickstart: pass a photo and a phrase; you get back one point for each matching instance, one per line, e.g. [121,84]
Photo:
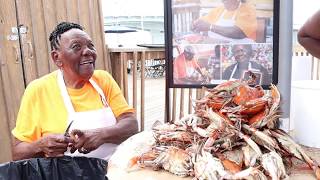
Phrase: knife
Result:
[66,133]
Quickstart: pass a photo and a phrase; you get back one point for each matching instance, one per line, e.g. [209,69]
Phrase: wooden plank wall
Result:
[39,17]
[11,76]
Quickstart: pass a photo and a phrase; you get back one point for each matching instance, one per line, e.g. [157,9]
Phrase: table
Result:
[133,146]
[143,174]
[141,141]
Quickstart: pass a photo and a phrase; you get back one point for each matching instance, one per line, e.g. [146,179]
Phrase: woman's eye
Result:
[91,46]
[76,46]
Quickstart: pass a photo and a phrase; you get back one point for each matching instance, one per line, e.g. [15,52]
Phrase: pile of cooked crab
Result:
[232,134]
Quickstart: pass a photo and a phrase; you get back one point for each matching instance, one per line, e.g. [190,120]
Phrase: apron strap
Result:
[66,97]
[64,93]
[233,71]
[99,90]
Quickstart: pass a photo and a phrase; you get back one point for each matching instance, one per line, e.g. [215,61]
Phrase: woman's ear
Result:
[55,58]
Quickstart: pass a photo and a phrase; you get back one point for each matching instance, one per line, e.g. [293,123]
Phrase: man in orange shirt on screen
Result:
[186,69]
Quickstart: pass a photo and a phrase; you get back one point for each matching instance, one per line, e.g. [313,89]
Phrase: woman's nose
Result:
[89,51]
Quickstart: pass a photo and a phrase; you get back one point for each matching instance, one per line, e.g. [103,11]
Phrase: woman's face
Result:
[239,53]
[231,4]
[77,55]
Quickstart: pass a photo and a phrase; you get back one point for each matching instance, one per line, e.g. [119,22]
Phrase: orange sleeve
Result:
[246,20]
[27,124]
[113,93]
[179,67]
[176,68]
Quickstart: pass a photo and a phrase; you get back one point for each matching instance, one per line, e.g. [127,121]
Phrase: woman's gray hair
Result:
[61,28]
[247,47]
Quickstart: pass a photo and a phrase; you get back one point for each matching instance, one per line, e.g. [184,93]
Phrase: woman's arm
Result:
[309,35]
[231,32]
[52,145]
[90,140]
[127,125]
[24,150]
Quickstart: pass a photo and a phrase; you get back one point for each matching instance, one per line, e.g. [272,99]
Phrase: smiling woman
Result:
[90,99]
[76,56]
[242,55]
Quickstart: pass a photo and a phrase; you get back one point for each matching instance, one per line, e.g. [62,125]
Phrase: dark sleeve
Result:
[227,73]
[266,77]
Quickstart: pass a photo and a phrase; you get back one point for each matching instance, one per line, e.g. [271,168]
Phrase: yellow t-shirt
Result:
[245,18]
[42,110]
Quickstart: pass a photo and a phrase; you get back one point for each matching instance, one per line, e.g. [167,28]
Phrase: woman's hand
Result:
[86,140]
[200,26]
[54,145]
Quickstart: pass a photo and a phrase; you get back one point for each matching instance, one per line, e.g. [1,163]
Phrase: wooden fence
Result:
[135,58]
[25,51]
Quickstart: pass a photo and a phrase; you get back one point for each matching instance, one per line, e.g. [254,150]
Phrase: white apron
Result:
[228,23]
[242,74]
[89,120]
[190,71]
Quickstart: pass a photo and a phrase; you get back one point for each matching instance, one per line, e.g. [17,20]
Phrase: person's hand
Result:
[200,26]
[54,145]
[85,140]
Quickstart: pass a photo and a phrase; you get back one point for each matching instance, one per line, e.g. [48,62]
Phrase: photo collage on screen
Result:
[219,40]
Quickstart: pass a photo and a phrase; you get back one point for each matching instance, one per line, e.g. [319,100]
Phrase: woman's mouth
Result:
[86,62]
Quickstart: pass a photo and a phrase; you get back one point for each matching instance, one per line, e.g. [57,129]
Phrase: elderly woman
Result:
[243,64]
[76,95]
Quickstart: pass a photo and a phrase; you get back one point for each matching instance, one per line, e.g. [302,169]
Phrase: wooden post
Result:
[121,84]
[190,101]
[125,76]
[143,57]
[181,114]
[135,79]
[174,104]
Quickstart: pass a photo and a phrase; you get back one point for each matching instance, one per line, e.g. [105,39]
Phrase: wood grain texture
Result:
[33,59]
[11,77]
